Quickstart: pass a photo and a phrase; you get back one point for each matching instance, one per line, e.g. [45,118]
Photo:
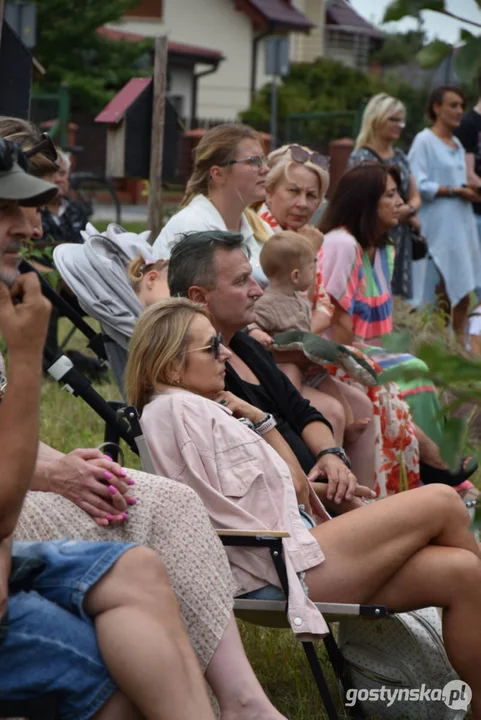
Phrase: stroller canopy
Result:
[96,272]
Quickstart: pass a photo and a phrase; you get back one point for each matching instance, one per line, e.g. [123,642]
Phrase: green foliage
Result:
[411,8]
[400,48]
[72,52]
[431,55]
[330,86]
[468,57]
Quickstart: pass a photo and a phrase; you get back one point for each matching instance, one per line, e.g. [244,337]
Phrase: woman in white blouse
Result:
[229,175]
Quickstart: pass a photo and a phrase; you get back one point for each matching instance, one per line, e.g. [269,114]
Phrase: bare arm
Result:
[341,325]
[23,328]
[473,179]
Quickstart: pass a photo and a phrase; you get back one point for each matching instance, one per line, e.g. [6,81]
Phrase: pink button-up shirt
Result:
[244,484]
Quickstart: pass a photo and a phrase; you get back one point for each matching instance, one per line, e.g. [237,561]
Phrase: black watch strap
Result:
[339,451]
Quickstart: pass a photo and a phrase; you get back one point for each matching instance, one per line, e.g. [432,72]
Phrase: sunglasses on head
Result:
[46,146]
[213,347]
[301,156]
[11,153]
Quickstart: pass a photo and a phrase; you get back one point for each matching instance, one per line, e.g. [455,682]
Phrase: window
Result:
[146,9]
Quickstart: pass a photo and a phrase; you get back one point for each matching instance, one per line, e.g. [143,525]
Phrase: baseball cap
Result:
[15,181]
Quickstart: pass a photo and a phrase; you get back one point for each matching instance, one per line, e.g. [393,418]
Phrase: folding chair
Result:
[273,613]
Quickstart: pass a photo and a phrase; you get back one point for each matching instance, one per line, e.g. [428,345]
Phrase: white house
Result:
[222,41]
[340,33]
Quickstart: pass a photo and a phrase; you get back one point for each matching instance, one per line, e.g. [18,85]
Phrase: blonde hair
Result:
[158,345]
[138,268]
[217,147]
[259,228]
[376,112]
[280,161]
[285,252]
[26,135]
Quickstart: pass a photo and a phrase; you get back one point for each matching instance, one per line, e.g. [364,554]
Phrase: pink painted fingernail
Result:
[108,475]
[132,501]
[130,481]
[124,516]
[123,472]
[112,489]
[108,457]
[110,517]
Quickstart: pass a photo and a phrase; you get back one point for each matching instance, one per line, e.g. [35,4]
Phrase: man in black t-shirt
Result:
[469,132]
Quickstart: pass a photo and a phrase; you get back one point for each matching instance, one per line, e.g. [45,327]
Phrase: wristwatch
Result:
[265,425]
[339,451]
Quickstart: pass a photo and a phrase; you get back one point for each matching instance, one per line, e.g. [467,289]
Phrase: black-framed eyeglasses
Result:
[11,153]
[301,156]
[256,161]
[46,146]
[213,347]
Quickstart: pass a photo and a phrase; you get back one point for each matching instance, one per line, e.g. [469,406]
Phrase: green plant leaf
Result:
[465,35]
[454,439]
[397,342]
[411,8]
[431,55]
[467,60]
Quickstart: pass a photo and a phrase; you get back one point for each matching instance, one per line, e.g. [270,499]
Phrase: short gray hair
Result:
[192,259]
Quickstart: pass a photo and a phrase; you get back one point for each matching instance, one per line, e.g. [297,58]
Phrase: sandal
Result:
[430,474]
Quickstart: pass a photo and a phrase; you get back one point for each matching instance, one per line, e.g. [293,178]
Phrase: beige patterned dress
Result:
[169,518]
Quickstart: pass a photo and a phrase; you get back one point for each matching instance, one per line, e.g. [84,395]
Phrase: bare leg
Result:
[330,408]
[361,445]
[408,551]
[234,684]
[118,708]
[293,373]
[143,641]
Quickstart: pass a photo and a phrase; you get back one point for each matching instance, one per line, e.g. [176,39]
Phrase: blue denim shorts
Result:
[272,592]
[50,646]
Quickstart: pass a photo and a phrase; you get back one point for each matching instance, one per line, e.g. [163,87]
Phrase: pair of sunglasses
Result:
[301,156]
[46,146]
[11,153]
[213,347]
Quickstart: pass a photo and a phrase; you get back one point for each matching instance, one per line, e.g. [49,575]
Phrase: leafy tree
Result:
[72,51]
[329,86]
[400,48]
[467,58]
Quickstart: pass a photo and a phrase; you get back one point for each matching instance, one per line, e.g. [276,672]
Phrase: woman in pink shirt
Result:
[247,478]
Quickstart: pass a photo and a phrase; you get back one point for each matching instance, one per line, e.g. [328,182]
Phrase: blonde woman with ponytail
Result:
[229,175]
[382,124]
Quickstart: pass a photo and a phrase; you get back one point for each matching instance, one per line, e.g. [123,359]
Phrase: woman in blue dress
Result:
[453,269]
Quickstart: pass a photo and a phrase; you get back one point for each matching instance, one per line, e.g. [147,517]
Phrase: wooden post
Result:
[158,118]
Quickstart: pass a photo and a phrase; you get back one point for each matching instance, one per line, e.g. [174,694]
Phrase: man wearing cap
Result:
[66,611]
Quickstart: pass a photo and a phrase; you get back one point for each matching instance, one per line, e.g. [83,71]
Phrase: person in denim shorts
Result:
[97,625]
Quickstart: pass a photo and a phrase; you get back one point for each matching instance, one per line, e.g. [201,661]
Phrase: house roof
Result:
[115,111]
[275,12]
[340,12]
[196,53]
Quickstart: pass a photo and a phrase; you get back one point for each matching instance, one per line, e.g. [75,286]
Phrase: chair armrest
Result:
[253,533]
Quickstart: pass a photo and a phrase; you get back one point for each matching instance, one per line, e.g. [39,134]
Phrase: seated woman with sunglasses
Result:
[175,376]
[228,176]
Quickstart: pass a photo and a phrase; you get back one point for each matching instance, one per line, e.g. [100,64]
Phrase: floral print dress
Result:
[397,449]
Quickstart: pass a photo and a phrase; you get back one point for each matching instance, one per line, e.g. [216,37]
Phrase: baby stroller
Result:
[96,272]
